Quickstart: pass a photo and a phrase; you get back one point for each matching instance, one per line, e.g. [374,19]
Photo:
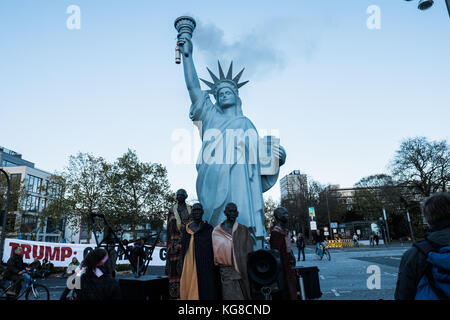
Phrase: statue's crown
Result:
[222,80]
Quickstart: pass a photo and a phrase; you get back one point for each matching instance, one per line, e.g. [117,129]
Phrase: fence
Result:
[340,243]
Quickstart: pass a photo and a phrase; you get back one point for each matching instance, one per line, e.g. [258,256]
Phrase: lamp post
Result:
[2,241]
[387,226]
[410,226]
[329,219]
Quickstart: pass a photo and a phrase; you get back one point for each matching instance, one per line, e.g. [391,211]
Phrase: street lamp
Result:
[2,241]
[427,4]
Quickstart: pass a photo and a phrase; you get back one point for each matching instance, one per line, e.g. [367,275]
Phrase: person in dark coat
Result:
[436,210]
[199,278]
[280,240]
[96,285]
[15,268]
[301,246]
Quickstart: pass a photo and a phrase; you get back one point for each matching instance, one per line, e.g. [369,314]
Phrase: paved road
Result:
[342,278]
[345,276]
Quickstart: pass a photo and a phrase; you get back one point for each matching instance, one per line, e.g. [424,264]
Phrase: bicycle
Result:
[325,251]
[32,289]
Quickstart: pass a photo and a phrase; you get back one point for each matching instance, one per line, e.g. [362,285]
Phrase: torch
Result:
[185,27]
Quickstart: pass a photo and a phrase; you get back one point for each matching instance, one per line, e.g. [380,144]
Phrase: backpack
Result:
[435,283]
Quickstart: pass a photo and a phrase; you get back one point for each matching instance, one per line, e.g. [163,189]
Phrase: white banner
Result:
[61,254]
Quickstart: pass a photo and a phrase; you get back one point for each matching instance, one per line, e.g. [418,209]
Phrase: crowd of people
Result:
[423,273]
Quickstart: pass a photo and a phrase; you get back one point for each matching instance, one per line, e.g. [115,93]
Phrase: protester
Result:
[137,256]
[71,267]
[47,268]
[36,264]
[15,271]
[301,246]
[96,285]
[424,269]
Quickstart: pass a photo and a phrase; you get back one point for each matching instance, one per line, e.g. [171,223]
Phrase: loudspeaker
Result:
[145,288]
[265,271]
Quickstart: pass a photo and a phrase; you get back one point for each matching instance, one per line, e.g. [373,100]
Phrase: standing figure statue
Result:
[179,216]
[229,166]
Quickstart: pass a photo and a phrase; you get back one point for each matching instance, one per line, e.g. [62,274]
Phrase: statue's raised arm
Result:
[185,27]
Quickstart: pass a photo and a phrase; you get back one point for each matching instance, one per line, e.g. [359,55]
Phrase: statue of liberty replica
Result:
[229,166]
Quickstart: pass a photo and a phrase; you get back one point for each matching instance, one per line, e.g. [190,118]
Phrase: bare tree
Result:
[424,165]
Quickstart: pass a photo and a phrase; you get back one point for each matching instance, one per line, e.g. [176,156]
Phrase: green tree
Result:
[86,181]
[58,205]
[138,193]
[269,206]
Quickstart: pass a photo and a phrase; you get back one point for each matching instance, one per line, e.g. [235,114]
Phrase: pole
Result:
[3,237]
[329,219]
[410,226]
[387,226]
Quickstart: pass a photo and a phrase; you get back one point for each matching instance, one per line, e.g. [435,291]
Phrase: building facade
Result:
[37,193]
[292,184]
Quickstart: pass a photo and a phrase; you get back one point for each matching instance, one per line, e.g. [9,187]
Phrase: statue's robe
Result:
[176,222]
[230,254]
[199,279]
[280,240]
[223,174]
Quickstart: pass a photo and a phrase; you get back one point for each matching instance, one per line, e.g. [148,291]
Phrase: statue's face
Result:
[231,213]
[226,97]
[282,215]
[181,195]
[197,214]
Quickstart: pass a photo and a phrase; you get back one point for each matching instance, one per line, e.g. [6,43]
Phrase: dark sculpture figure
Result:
[280,240]
[179,216]
[232,243]
[199,279]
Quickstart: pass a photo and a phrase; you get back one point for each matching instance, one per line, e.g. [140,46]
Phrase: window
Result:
[16,177]
[34,184]
[6,163]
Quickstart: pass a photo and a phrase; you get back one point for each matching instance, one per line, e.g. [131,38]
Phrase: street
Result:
[342,278]
[345,276]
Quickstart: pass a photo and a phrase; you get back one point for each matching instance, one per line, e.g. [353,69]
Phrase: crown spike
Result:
[222,76]
[209,84]
[238,76]
[230,72]
[242,84]
[213,76]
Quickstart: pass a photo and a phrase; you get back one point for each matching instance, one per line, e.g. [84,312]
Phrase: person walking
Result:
[425,268]
[301,246]
[377,238]
[355,240]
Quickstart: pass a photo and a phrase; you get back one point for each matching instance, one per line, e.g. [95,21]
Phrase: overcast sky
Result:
[342,96]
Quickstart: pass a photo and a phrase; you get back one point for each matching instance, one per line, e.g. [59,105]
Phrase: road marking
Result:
[335,292]
[396,258]
[322,277]
[390,274]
